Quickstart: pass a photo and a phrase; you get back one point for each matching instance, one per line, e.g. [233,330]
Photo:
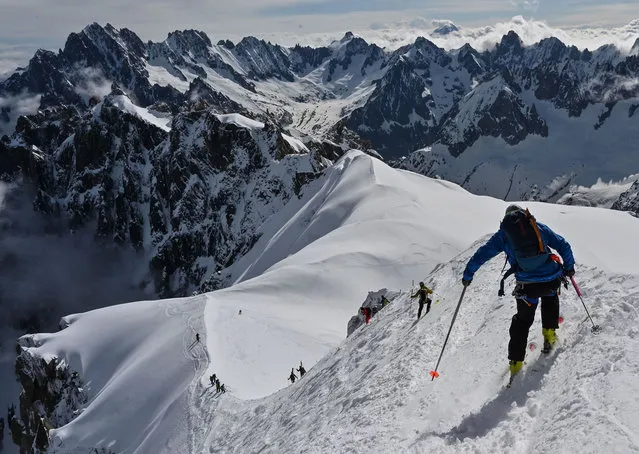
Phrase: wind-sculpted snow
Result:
[362,227]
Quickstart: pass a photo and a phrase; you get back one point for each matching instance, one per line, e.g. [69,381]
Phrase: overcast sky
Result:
[28,24]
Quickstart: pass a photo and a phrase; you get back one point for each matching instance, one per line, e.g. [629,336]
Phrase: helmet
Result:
[513,208]
[421,284]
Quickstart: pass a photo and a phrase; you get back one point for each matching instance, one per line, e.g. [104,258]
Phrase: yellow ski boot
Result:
[550,339]
[515,367]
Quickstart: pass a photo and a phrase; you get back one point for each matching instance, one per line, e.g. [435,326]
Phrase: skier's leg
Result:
[428,301]
[419,311]
[519,327]
[550,311]
[549,321]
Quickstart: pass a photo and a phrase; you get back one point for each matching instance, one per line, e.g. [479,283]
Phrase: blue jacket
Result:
[545,273]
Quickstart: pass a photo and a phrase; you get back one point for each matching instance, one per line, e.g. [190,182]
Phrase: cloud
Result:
[12,56]
[13,107]
[93,84]
[528,5]
[612,89]
[4,188]
[48,273]
[398,33]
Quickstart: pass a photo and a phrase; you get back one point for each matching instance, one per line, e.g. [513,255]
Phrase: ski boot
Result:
[550,339]
[515,367]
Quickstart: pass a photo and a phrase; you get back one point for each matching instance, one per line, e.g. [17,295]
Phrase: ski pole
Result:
[595,328]
[434,373]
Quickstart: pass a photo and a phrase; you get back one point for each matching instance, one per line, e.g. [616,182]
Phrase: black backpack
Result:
[523,236]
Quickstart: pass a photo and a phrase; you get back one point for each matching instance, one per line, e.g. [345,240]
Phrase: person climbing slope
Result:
[301,370]
[527,246]
[292,377]
[423,293]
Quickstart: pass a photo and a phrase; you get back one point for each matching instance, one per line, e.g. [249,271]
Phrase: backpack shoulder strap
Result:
[533,223]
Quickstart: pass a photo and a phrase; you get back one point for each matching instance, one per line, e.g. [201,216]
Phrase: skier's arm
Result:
[429,291]
[559,244]
[493,246]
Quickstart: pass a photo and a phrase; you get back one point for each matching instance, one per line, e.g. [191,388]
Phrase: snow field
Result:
[365,226]
[137,366]
[373,393]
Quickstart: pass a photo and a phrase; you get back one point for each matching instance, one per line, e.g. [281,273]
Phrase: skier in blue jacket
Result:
[538,272]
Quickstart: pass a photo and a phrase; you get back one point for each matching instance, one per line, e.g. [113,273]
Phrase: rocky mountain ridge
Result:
[182,149]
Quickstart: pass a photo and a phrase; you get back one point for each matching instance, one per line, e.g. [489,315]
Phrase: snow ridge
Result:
[362,227]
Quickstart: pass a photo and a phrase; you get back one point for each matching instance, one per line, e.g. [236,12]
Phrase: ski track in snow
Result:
[191,313]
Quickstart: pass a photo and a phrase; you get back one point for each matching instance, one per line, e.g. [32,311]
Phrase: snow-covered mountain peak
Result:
[347,37]
[445,27]
[423,52]
[471,60]
[350,44]
[510,43]
[608,54]
[551,49]
[108,37]
[189,41]
[634,51]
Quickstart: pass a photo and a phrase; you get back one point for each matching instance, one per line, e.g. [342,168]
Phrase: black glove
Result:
[570,272]
[466,282]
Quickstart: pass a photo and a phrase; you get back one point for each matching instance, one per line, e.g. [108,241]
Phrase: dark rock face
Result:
[201,96]
[568,78]
[418,88]
[501,113]
[263,60]
[392,111]
[471,60]
[213,188]
[98,172]
[354,47]
[52,396]
[305,58]
[629,200]
[375,303]
[199,192]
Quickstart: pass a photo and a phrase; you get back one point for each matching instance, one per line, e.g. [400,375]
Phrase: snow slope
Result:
[122,102]
[361,227]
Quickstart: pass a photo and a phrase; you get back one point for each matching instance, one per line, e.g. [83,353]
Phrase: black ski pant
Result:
[421,306]
[523,319]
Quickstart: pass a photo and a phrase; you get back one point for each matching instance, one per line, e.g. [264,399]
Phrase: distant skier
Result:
[222,388]
[212,378]
[217,385]
[292,377]
[366,312]
[240,312]
[538,272]
[423,293]
[384,301]
[197,337]
[301,370]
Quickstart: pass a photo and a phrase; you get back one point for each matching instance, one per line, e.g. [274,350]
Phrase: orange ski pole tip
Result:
[434,374]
